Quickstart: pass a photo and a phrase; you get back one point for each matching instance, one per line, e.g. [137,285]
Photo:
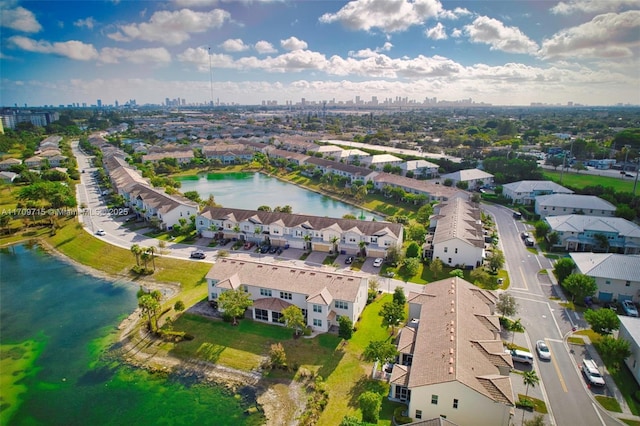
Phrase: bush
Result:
[399,417]
[141,270]
[346,327]
[525,404]
[636,395]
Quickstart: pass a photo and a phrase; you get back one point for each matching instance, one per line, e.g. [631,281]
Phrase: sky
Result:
[506,52]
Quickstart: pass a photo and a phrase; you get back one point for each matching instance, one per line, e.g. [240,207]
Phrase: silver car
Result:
[543,350]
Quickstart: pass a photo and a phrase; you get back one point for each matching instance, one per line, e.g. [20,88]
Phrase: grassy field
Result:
[580,180]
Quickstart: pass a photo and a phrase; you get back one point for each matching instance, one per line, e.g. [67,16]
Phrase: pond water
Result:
[252,190]
[55,324]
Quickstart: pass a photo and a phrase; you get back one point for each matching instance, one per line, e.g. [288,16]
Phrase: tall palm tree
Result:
[136,250]
[516,327]
[529,378]
[152,251]
[334,240]
[145,256]
[307,242]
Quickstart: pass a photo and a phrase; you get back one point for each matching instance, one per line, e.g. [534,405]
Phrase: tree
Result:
[457,273]
[496,260]
[580,286]
[411,266]
[563,268]
[479,275]
[516,327]
[537,420]
[394,255]
[233,303]
[392,315]
[529,378]
[553,238]
[614,351]
[424,213]
[417,232]
[542,229]
[149,306]
[506,305]
[370,404]
[334,241]
[293,318]
[277,356]
[602,321]
[602,241]
[345,329]
[136,250]
[626,212]
[179,306]
[399,296]
[413,250]
[436,267]
[152,251]
[380,350]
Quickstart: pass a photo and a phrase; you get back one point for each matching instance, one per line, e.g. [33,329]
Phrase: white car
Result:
[543,350]
[378,262]
[629,308]
[101,233]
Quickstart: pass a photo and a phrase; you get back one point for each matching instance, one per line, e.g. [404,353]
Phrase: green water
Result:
[55,325]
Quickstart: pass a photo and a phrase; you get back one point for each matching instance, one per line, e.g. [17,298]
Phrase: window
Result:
[418,414]
[446,249]
[449,262]
[402,393]
[214,295]
[265,292]
[434,399]
[607,282]
[317,322]
[456,250]
[275,316]
[455,403]
[262,314]
[304,314]
[627,284]
[317,308]
[285,295]
[341,304]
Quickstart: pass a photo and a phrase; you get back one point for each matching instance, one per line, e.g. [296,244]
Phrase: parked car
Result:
[248,245]
[543,350]
[521,356]
[529,242]
[265,248]
[348,260]
[525,235]
[101,233]
[517,215]
[592,373]
[378,262]
[198,254]
[273,249]
[629,308]
[279,250]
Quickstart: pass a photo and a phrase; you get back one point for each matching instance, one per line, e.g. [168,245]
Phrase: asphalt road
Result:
[569,400]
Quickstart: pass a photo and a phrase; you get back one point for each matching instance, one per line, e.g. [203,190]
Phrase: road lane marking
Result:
[555,365]
[524,280]
[545,396]
[598,413]
[550,310]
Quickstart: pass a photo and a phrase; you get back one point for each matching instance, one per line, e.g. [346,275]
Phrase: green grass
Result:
[579,180]
[538,405]
[609,404]
[532,250]
[630,422]
[575,340]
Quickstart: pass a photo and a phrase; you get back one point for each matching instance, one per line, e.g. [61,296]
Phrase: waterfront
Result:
[56,325]
[251,190]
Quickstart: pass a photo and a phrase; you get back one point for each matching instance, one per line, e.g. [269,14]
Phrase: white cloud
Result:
[293,43]
[592,6]
[200,58]
[610,35]
[195,3]
[19,19]
[264,47]
[72,49]
[387,15]
[158,55]
[172,28]
[368,53]
[88,22]
[500,37]
[456,33]
[234,45]
[437,32]
[455,13]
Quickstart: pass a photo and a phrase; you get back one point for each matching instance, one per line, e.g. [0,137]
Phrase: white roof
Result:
[608,265]
[584,202]
[418,164]
[632,325]
[384,158]
[581,223]
[527,186]
[468,174]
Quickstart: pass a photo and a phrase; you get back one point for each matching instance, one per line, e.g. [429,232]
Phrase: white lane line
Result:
[552,419]
[550,310]
[598,414]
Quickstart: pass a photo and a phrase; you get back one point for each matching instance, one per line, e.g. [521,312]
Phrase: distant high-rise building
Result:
[116,103]
[99,103]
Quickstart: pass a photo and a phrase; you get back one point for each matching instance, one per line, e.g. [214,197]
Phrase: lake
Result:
[56,324]
[251,190]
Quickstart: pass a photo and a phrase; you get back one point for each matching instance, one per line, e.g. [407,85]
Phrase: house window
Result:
[446,249]
[402,393]
[275,316]
[627,284]
[434,399]
[455,403]
[317,322]
[608,282]
[304,314]
[285,295]
[214,295]
[341,304]
[449,261]
[262,314]
[317,308]
[456,250]
[265,292]
[418,414]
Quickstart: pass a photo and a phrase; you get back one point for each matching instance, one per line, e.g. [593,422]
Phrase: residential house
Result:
[420,168]
[587,233]
[182,157]
[161,209]
[526,191]
[458,238]
[8,177]
[377,162]
[290,156]
[630,331]
[562,204]
[352,173]
[452,362]
[617,275]
[330,152]
[474,178]
[8,163]
[34,162]
[322,296]
[301,231]
[57,160]
[353,156]
[432,191]
[228,153]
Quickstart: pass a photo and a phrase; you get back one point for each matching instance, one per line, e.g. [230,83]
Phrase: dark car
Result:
[198,254]
[273,249]
[529,242]
[264,249]
[348,260]
[525,235]
[279,251]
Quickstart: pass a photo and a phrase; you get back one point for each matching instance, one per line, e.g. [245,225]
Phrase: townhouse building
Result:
[377,162]
[8,163]
[586,233]
[352,173]
[420,169]
[526,191]
[474,178]
[563,204]
[616,275]
[228,153]
[630,331]
[182,157]
[432,191]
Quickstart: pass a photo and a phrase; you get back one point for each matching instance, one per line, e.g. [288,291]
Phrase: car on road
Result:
[592,373]
[101,232]
[543,350]
[348,260]
[529,242]
[378,262]
[525,235]
[629,308]
[198,254]
[520,356]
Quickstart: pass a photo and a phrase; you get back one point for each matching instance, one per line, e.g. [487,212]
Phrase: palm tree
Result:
[145,256]
[516,327]
[136,250]
[363,251]
[334,240]
[307,242]
[152,251]
[529,378]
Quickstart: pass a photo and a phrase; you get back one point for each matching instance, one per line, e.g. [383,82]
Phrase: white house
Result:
[630,331]
[526,191]
[458,238]
[562,204]
[452,363]
[582,233]
[474,178]
[159,208]
[351,156]
[617,275]
[322,296]
[8,163]
[420,168]
[378,162]
[182,157]
[431,190]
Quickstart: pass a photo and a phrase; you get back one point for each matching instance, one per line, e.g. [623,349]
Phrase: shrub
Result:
[346,327]
[399,417]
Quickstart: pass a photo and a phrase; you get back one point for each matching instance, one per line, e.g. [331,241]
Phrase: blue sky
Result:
[507,52]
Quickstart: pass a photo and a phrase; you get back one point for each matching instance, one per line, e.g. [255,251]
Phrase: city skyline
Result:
[252,52]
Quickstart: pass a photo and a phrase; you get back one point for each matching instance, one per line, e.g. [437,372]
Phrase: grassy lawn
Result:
[608,403]
[538,405]
[630,422]
[577,180]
